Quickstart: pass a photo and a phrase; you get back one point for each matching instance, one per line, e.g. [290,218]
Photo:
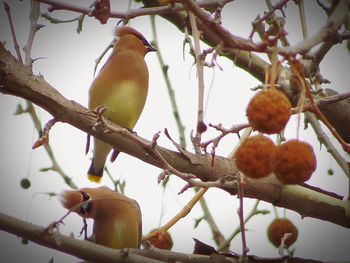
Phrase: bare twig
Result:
[200,127]
[100,57]
[254,211]
[335,20]
[186,209]
[34,15]
[240,196]
[320,115]
[322,136]
[332,99]
[15,42]
[171,92]
[301,8]
[277,6]
[217,235]
[157,10]
[44,139]
[215,141]
[318,55]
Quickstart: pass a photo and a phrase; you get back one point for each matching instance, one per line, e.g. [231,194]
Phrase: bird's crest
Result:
[124,30]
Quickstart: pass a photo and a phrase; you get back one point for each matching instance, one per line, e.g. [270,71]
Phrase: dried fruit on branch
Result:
[162,240]
[269,111]
[293,162]
[253,156]
[277,230]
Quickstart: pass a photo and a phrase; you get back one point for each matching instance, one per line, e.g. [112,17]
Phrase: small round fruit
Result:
[25,183]
[293,162]
[162,240]
[278,228]
[253,156]
[24,241]
[269,111]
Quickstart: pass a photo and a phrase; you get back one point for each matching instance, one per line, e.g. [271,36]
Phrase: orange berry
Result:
[162,240]
[253,156]
[293,162]
[269,111]
[278,228]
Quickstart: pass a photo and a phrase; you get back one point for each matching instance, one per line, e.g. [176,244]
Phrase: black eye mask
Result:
[86,206]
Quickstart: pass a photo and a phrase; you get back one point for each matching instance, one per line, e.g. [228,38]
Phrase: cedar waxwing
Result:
[121,87]
[117,218]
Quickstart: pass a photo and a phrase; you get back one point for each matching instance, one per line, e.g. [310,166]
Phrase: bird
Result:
[121,88]
[117,218]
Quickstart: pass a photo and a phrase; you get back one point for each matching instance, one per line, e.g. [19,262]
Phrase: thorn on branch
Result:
[154,140]
[162,176]
[44,139]
[184,189]
[179,147]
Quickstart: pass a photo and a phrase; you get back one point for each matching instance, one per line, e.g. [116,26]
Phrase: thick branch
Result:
[17,80]
[90,251]
[79,248]
[60,5]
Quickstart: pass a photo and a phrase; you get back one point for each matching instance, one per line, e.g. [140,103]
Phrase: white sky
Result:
[68,66]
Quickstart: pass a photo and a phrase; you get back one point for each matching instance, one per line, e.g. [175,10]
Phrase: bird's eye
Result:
[86,206]
[85,196]
[145,42]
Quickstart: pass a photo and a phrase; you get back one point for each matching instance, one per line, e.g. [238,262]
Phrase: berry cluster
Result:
[293,161]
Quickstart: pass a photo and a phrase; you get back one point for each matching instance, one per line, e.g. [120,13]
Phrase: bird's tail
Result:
[93,174]
[101,150]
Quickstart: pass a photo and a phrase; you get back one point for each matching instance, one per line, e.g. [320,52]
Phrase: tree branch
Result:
[87,250]
[60,5]
[17,79]
[248,61]
[82,249]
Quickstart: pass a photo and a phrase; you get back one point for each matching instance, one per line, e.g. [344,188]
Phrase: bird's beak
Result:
[151,48]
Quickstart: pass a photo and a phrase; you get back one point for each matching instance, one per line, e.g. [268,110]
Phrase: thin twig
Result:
[44,139]
[301,8]
[55,166]
[254,211]
[200,76]
[334,21]
[273,8]
[322,136]
[320,115]
[132,13]
[217,235]
[240,195]
[223,132]
[171,92]
[34,16]
[277,24]
[15,42]
[186,209]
